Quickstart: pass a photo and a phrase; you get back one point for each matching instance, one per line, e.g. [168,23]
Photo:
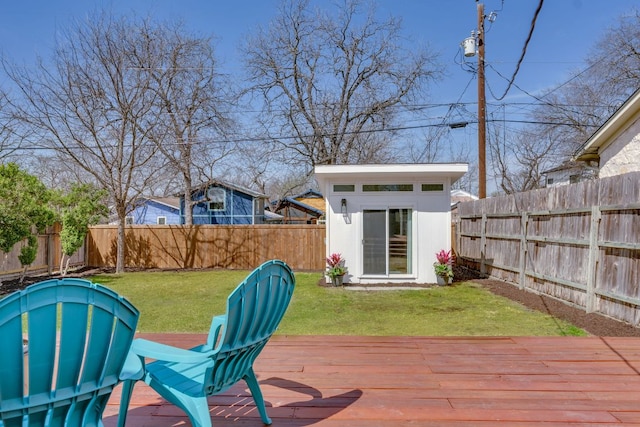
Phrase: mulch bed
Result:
[593,323]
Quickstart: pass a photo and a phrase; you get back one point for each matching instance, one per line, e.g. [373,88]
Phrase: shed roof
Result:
[454,171]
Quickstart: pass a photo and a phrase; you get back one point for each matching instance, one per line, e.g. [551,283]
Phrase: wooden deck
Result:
[419,381]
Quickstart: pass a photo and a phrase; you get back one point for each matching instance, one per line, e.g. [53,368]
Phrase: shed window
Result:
[344,188]
[216,196]
[432,187]
[387,187]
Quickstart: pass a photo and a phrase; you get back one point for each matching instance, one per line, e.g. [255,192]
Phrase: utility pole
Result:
[482,106]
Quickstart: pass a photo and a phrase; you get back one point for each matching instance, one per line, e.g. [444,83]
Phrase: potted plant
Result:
[444,267]
[336,269]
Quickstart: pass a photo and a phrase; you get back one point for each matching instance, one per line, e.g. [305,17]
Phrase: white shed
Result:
[388,221]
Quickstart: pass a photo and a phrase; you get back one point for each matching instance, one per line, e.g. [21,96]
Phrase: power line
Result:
[448,115]
[524,50]
[286,137]
[547,103]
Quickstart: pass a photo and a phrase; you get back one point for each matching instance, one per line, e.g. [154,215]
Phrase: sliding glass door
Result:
[387,243]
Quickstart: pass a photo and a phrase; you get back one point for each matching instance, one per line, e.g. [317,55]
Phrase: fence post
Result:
[483,245]
[50,253]
[594,255]
[524,221]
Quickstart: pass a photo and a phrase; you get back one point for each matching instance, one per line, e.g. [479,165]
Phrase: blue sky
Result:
[565,32]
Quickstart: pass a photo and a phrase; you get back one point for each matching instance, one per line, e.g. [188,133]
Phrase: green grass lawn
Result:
[186,301]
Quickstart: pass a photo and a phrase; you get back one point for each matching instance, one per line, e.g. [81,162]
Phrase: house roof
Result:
[461,196]
[303,206]
[222,183]
[272,216]
[290,201]
[172,202]
[566,166]
[617,123]
[309,194]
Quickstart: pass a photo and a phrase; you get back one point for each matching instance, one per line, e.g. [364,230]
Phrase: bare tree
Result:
[575,109]
[518,160]
[10,140]
[569,113]
[331,82]
[91,104]
[192,107]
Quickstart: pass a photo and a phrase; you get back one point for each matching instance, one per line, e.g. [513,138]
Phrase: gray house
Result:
[569,173]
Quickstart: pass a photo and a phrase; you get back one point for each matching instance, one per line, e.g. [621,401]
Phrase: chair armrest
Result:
[158,351]
[217,323]
[133,368]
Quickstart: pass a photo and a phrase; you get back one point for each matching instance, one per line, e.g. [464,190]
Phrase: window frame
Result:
[213,199]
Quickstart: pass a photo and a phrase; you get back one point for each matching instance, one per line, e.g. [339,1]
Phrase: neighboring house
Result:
[155,210]
[615,146]
[305,208]
[569,173]
[388,221]
[272,217]
[458,196]
[220,202]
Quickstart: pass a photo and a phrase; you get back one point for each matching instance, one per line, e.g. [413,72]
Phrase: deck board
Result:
[330,381]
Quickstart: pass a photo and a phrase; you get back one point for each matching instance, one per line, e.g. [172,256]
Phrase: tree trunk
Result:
[120,247]
[63,270]
[188,208]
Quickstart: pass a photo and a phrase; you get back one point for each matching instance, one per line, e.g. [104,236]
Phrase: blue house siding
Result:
[148,213]
[238,209]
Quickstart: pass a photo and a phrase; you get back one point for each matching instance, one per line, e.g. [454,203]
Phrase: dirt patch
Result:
[11,285]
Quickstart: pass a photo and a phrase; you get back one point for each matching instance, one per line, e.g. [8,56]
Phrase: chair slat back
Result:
[78,336]
[254,311]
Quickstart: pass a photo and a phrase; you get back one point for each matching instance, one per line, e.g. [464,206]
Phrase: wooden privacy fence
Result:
[47,259]
[209,246]
[578,243]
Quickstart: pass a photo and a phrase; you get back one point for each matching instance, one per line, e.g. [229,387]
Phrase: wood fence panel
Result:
[210,246]
[47,259]
[579,243]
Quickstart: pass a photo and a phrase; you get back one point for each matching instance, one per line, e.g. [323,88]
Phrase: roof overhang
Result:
[607,133]
[453,171]
[222,183]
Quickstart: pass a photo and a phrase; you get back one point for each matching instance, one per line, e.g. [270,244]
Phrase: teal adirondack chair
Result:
[186,377]
[78,336]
